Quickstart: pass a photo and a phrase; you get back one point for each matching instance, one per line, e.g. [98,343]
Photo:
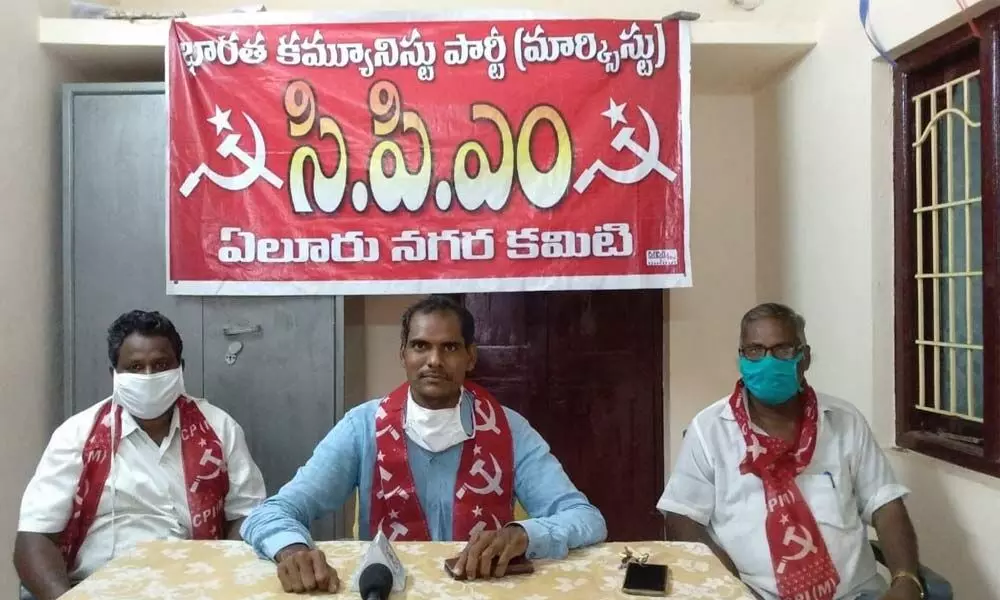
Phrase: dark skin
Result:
[437,360]
[891,522]
[37,558]
[40,564]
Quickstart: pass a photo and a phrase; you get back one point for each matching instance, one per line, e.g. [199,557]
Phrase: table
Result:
[189,570]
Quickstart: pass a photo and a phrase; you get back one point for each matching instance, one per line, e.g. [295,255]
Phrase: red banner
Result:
[393,158]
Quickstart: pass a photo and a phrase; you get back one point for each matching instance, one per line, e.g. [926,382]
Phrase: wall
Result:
[384,371]
[775,10]
[704,319]
[825,225]
[30,370]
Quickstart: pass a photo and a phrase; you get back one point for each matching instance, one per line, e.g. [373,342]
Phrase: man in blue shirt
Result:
[437,459]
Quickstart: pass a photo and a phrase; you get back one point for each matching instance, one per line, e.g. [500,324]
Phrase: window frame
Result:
[916,72]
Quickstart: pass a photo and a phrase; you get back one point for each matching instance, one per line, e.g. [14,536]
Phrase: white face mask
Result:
[434,430]
[148,396]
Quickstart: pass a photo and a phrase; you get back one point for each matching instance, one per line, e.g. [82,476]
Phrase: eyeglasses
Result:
[756,352]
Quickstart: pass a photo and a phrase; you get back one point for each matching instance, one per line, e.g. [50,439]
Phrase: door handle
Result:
[233,352]
[231,330]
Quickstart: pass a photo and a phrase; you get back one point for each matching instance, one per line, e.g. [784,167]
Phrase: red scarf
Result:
[484,487]
[205,476]
[803,568]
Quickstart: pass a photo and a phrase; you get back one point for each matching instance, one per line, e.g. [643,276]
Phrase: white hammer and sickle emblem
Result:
[387,429]
[487,421]
[255,165]
[492,483]
[398,529]
[396,491]
[804,542]
[481,526]
[756,449]
[207,458]
[78,499]
[805,446]
[650,159]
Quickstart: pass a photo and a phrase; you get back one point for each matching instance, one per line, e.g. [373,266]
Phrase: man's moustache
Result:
[435,375]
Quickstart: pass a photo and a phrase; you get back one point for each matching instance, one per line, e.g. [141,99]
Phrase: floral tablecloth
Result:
[188,570]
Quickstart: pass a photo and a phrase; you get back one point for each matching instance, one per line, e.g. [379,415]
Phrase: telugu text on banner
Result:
[403,158]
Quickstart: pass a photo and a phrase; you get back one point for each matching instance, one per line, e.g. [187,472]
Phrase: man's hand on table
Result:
[304,569]
[477,557]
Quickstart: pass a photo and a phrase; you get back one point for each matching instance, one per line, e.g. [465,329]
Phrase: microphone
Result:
[379,572]
[375,582]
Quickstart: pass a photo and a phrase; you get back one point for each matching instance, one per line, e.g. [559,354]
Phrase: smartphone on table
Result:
[517,566]
[646,580]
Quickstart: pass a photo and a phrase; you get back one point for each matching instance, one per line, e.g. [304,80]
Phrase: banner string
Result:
[866,24]
[972,22]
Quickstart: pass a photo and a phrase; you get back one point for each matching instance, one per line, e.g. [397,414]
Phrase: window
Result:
[947,121]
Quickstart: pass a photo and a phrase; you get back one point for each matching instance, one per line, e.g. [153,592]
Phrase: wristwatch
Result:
[916,581]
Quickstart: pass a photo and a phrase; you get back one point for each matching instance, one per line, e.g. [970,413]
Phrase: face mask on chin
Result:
[434,430]
[148,396]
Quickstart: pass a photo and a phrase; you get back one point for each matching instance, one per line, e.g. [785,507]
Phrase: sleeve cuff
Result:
[883,496]
[277,542]
[666,505]
[39,526]
[538,538]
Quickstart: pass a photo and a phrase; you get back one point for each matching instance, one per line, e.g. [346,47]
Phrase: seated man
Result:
[149,462]
[782,482]
[437,459]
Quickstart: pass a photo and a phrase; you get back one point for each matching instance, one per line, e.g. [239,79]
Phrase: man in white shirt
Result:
[782,482]
[147,463]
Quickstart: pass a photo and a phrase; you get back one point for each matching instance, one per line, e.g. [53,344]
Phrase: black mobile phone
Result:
[646,580]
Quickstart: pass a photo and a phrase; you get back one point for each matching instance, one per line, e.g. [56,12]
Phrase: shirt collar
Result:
[727,410]
[130,425]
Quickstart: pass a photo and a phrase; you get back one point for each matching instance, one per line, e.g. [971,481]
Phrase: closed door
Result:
[585,368]
[280,380]
[283,386]
[114,245]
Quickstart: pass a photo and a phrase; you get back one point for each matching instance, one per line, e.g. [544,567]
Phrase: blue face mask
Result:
[771,380]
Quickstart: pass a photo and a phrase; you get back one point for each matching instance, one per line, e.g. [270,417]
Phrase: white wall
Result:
[775,10]
[704,319]
[382,323]
[825,209]
[30,370]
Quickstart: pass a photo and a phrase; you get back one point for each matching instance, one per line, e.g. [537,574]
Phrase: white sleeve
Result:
[246,484]
[690,491]
[874,481]
[48,499]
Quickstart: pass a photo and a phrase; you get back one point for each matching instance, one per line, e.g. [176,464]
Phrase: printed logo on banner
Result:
[661,258]
[450,156]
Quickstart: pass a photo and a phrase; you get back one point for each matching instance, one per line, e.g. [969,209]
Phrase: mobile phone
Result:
[646,580]
[517,566]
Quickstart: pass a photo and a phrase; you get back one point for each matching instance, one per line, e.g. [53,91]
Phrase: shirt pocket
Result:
[830,497]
